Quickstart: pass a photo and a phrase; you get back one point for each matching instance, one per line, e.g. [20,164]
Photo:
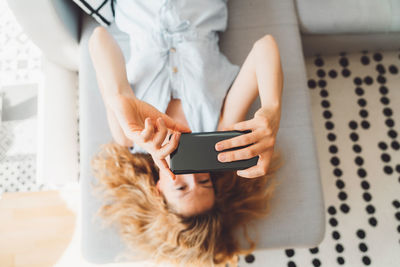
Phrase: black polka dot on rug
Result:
[357,148]
[291,264]
[322,83]
[395,145]
[342,196]
[398,229]
[388,169]
[333,222]
[363,113]
[368,80]
[324,93]
[359,160]
[382,145]
[393,69]
[339,248]
[387,112]
[383,90]
[392,133]
[331,210]
[396,204]
[389,122]
[331,137]
[333,149]
[397,215]
[316,262]
[319,62]
[312,84]
[340,260]
[359,91]
[346,73]
[365,60]
[380,68]
[385,157]
[325,104]
[289,252]
[361,233]
[367,196]
[365,124]
[332,74]
[335,161]
[370,209]
[380,79]
[378,56]
[337,172]
[340,184]
[344,62]
[335,235]
[366,260]
[362,102]
[365,185]
[321,73]
[354,137]
[357,81]
[345,208]
[329,125]
[398,168]
[385,100]
[314,250]
[372,221]
[327,114]
[363,247]
[249,258]
[353,125]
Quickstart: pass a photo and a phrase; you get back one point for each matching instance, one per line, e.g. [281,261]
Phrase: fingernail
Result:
[218,146]
[221,157]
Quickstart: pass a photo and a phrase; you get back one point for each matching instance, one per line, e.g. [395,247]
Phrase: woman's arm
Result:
[131,120]
[261,75]
[109,65]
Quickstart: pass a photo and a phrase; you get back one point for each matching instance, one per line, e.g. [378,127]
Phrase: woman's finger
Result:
[241,140]
[148,132]
[245,125]
[171,124]
[163,166]
[241,154]
[252,172]
[260,169]
[168,148]
[161,133]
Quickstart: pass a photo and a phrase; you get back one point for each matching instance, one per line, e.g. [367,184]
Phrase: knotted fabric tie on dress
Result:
[172,29]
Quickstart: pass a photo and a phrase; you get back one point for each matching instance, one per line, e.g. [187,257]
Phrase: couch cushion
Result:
[348,16]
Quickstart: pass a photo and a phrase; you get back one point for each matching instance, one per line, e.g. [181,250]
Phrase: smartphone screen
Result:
[196,153]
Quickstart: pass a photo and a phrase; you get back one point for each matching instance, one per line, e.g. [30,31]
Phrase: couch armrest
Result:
[54,26]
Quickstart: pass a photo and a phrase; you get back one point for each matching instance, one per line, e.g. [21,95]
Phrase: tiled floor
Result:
[20,75]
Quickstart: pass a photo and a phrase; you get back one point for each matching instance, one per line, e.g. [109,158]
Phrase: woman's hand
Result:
[264,128]
[137,119]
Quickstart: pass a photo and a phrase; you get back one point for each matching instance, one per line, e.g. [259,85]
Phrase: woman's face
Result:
[189,194]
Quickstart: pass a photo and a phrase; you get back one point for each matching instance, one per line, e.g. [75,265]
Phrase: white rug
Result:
[356,116]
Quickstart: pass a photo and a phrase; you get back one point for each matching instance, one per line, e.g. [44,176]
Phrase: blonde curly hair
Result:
[151,229]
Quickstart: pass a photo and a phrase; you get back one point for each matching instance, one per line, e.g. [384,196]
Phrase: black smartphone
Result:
[196,153]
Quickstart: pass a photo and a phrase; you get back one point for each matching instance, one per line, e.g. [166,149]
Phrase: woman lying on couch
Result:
[178,81]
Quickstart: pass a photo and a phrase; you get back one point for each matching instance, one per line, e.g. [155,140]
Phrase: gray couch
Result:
[300,27]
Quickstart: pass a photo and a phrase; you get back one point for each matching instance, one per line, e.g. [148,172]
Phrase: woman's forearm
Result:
[261,74]
[268,72]
[109,64]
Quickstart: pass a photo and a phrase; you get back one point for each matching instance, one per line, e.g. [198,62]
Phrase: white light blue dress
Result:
[175,54]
